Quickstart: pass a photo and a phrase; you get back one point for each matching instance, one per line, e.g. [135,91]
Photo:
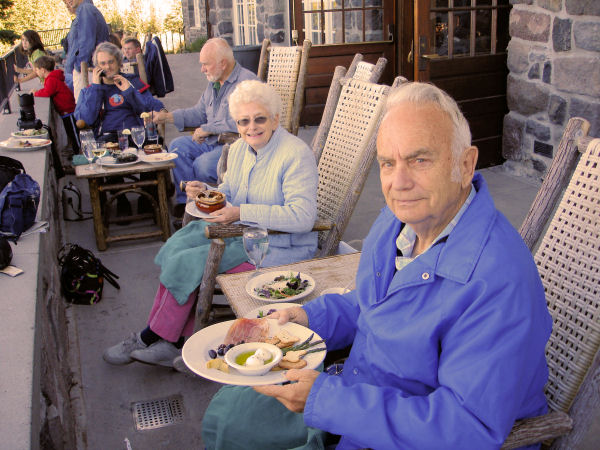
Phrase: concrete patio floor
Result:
[108,392]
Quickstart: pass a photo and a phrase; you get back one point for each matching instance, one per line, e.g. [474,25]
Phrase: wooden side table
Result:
[99,183]
[328,272]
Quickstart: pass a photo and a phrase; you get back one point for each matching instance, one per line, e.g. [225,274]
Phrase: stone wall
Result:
[554,63]
[58,379]
[271,18]
[191,29]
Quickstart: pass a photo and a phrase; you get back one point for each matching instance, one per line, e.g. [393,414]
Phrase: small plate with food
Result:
[25,144]
[158,158]
[280,286]
[127,158]
[254,345]
[264,311]
[207,201]
[31,133]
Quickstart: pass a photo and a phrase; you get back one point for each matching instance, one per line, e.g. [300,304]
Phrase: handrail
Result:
[53,38]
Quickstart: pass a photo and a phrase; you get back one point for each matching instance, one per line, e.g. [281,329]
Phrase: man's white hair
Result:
[221,49]
[254,91]
[428,94]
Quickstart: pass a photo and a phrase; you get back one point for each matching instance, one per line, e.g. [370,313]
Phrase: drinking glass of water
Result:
[138,136]
[88,152]
[256,244]
[86,136]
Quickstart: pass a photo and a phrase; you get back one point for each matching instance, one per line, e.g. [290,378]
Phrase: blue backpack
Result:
[19,201]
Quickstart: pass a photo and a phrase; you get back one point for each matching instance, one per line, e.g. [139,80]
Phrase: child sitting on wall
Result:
[61,95]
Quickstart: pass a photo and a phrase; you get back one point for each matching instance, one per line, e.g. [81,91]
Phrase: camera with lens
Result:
[27,119]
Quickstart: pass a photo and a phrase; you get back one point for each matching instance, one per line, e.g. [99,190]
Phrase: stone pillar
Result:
[554,64]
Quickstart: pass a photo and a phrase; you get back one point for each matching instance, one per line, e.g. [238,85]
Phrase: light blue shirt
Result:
[407,237]
[276,188]
[211,113]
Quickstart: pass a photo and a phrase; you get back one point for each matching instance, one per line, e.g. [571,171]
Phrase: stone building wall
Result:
[271,17]
[554,64]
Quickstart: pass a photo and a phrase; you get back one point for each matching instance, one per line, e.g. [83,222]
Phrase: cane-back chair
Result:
[343,167]
[358,70]
[567,259]
[284,68]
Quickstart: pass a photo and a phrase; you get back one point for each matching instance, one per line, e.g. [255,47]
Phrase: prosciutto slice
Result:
[247,330]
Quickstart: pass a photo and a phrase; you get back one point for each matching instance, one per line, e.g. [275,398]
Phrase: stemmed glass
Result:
[98,150]
[88,151]
[86,136]
[138,135]
[256,244]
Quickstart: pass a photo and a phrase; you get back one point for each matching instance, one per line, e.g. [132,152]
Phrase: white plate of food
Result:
[25,144]
[196,350]
[31,133]
[263,311]
[157,158]
[280,286]
[192,210]
[128,159]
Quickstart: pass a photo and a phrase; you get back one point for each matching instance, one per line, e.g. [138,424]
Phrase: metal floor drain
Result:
[158,413]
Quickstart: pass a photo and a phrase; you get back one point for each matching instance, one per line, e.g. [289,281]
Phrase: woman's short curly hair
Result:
[254,91]
[111,49]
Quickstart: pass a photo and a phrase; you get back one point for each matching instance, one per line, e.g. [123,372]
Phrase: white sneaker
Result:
[161,353]
[120,353]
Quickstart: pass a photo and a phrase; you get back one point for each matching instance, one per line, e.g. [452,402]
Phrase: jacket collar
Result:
[234,75]
[457,257]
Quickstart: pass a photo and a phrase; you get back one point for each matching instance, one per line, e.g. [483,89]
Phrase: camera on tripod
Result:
[27,119]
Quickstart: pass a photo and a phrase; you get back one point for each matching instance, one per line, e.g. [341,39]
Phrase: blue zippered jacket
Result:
[447,352]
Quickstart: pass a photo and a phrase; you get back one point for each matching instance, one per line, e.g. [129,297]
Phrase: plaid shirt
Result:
[407,237]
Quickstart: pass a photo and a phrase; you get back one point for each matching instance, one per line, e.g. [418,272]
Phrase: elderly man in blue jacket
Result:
[199,154]
[448,322]
[88,29]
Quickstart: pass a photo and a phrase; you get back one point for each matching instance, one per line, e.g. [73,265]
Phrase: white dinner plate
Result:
[192,210]
[19,134]
[109,161]
[157,158]
[195,354]
[277,306]
[17,144]
[268,277]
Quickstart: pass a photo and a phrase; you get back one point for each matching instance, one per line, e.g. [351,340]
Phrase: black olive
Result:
[221,351]
[212,353]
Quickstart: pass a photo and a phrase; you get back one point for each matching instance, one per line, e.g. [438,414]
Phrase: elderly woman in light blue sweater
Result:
[271,182]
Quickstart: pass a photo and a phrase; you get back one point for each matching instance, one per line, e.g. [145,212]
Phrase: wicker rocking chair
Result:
[343,167]
[567,259]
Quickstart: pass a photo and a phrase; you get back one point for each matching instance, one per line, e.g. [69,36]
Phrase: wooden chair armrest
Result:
[222,231]
[537,429]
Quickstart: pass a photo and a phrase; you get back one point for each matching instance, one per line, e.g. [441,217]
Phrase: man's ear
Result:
[468,163]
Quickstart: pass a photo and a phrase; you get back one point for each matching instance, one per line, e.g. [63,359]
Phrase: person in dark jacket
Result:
[62,97]
[157,68]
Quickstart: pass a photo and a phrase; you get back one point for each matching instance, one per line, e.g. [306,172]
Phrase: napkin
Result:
[80,160]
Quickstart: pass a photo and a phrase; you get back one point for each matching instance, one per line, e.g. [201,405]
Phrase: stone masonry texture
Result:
[554,74]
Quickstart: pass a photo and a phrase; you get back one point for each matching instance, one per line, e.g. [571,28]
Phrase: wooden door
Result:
[338,29]
[460,46]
